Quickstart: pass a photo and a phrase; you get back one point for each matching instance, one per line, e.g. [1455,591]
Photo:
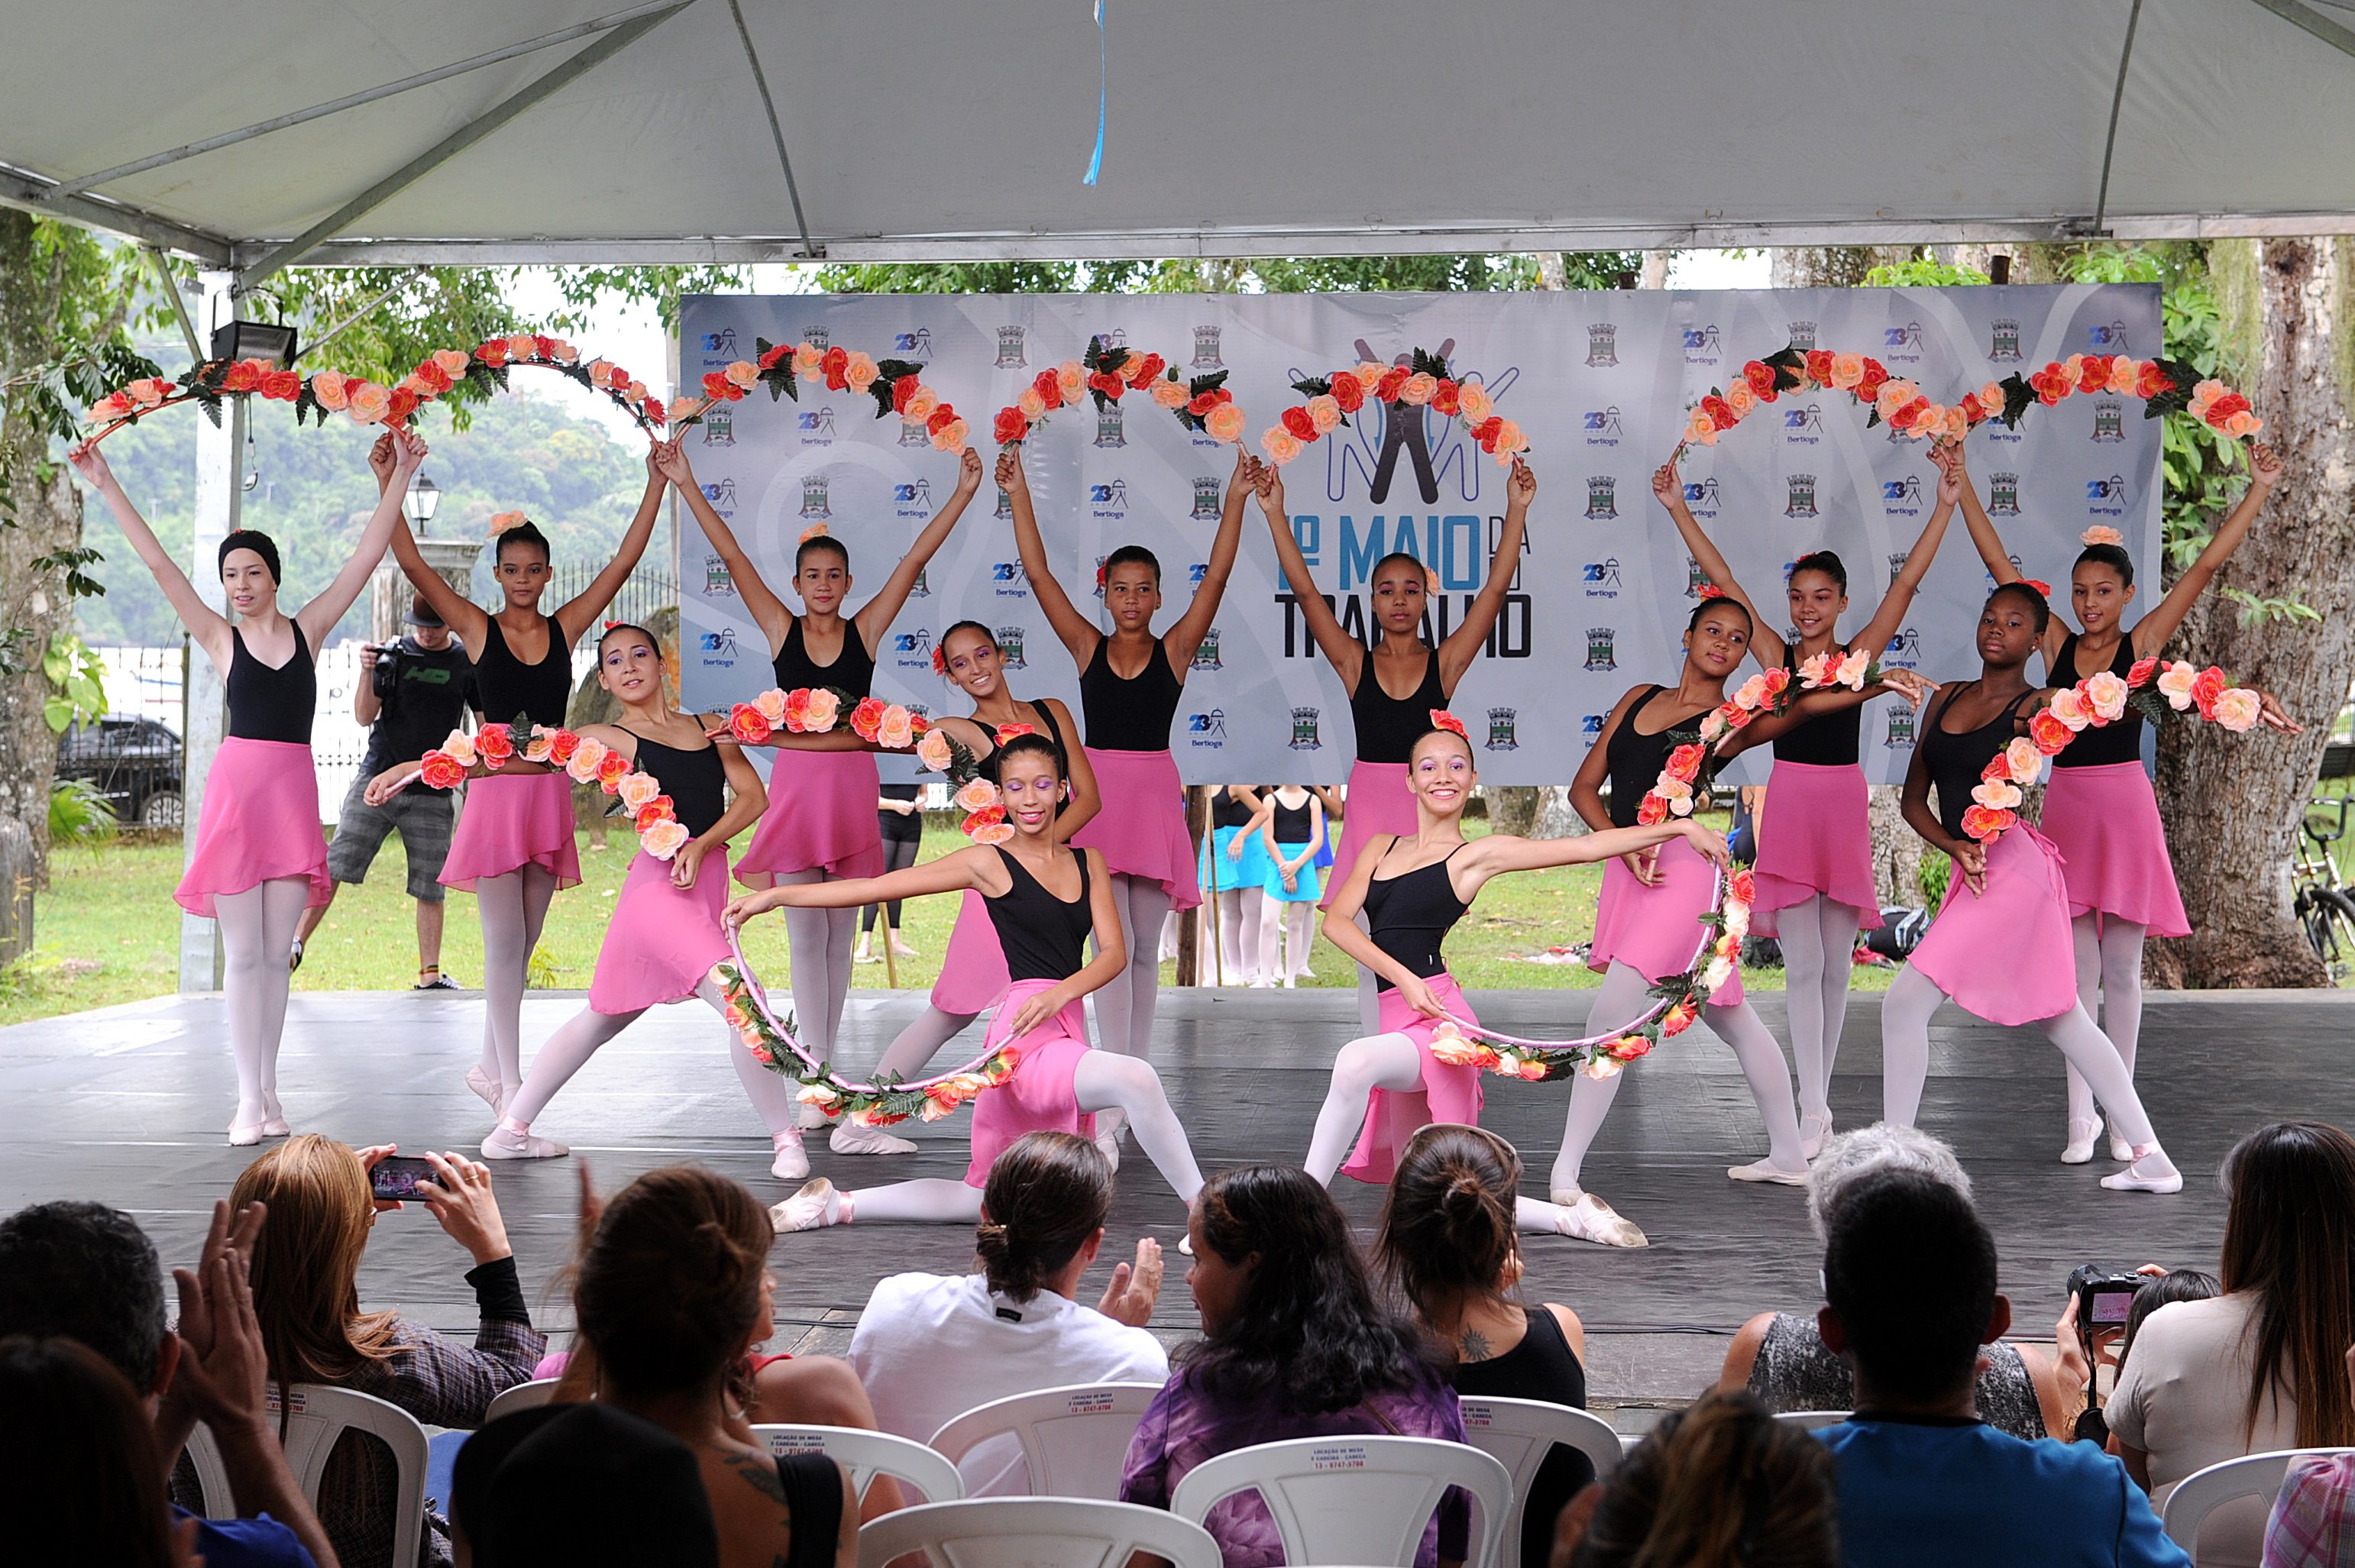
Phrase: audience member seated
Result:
[931,1347]
[1778,1356]
[2259,1367]
[87,1272]
[78,1464]
[672,1293]
[307,1291]
[1721,1484]
[1447,1242]
[1293,1345]
[1910,1288]
[2076,1373]
[588,1486]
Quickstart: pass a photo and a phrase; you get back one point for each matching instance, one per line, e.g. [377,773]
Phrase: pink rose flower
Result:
[1853,669]
[978,795]
[2070,709]
[1369,373]
[1509,440]
[367,403]
[1032,405]
[1700,430]
[1324,413]
[1740,398]
[1474,404]
[2237,709]
[1071,377]
[1224,422]
[2106,694]
[860,372]
[1280,444]
[664,839]
[1895,395]
[933,751]
[743,373]
[920,407]
[809,361]
[585,759]
[2024,760]
[2175,684]
[824,708]
[772,704]
[1419,388]
[952,436]
[637,789]
[898,731]
[1848,371]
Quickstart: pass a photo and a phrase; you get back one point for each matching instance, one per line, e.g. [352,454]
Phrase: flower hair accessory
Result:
[815,532]
[2042,588]
[502,521]
[1008,731]
[1711,590]
[2102,534]
[1442,719]
[939,661]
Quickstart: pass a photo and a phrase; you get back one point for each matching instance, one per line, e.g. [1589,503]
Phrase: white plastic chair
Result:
[322,1414]
[1035,1532]
[1813,1420]
[523,1396]
[1518,1433]
[867,1454]
[1074,1438]
[2200,1493]
[1355,1499]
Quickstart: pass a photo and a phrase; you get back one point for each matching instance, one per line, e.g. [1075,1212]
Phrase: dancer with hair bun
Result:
[1146,849]
[1045,901]
[260,858]
[513,848]
[1412,891]
[2100,810]
[821,823]
[1816,886]
[1388,724]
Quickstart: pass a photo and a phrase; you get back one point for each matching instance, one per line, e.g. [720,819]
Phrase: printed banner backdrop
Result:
[1600,381]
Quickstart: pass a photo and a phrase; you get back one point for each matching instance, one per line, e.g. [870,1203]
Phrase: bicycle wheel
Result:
[2330,927]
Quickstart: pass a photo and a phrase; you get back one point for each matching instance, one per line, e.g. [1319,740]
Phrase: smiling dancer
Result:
[1816,886]
[665,934]
[2100,810]
[1412,891]
[1146,849]
[513,848]
[821,823]
[1045,901]
[2000,946]
[260,858]
[1395,685]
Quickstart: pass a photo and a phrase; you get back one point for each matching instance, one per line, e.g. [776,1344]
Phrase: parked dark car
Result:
[134,763]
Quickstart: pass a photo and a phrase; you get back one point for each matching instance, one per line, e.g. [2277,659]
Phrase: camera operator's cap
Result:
[422,613]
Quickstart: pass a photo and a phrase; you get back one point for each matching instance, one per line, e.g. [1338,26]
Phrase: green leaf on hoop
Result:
[2018,395]
[1313,387]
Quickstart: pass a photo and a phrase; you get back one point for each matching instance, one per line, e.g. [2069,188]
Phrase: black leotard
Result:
[1827,740]
[1292,823]
[1955,762]
[695,780]
[266,704]
[1225,811]
[1387,726]
[508,687]
[1636,760]
[1409,916]
[1131,714]
[2119,741]
[853,669]
[1041,935]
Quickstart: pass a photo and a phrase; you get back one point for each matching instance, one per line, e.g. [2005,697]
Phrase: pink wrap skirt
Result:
[1815,839]
[2005,954]
[259,822]
[1041,1096]
[1449,1093]
[1657,931]
[821,817]
[1142,828]
[1378,803]
[513,820]
[972,971]
[2105,822]
[662,940]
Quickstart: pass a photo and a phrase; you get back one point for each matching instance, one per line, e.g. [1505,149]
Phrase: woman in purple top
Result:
[1293,1345]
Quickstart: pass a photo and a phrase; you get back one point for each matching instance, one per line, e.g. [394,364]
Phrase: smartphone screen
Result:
[396,1177]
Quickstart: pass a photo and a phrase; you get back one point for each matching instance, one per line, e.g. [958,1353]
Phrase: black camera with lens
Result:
[2105,1296]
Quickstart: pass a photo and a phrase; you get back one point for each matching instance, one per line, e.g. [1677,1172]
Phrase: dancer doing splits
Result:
[2000,944]
[2100,810]
[665,935]
[821,822]
[1395,685]
[1146,847]
[1413,890]
[1815,888]
[1045,901]
[513,848]
[1645,924]
[260,859]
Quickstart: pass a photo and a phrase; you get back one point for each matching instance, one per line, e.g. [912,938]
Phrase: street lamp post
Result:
[423,495]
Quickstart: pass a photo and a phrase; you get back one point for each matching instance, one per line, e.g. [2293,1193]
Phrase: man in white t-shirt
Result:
[931,1347]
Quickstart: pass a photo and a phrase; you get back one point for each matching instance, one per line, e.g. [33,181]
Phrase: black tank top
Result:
[266,704]
[1828,742]
[2119,741]
[1131,715]
[1041,935]
[508,687]
[1292,823]
[1225,811]
[853,669]
[1955,762]
[1635,761]
[1409,916]
[1387,726]
[696,781]
[1542,1367]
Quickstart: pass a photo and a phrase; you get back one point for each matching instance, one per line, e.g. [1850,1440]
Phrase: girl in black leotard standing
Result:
[665,935]
[259,857]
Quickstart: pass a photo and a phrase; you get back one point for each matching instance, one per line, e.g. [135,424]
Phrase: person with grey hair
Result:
[1780,1358]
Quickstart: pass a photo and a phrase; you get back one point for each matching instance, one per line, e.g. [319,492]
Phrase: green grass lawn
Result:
[107,932]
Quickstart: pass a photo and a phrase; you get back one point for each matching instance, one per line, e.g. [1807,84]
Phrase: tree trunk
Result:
[1827,266]
[2231,804]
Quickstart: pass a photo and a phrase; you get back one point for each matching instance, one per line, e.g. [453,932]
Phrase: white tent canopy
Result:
[556,130]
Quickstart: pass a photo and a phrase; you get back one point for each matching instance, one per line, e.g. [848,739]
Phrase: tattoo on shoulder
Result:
[761,1474]
[1474,1345]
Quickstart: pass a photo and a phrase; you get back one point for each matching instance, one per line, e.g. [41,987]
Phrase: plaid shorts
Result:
[422,816]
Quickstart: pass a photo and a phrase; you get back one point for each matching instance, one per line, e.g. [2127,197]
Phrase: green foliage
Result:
[539,971]
[1922,273]
[80,816]
[78,678]
[1313,274]
[1936,870]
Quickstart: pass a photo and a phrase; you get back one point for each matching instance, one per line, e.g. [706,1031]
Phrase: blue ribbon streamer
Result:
[1104,82]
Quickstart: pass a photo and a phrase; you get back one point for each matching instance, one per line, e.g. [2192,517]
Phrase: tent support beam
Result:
[171,288]
[355,100]
[2110,142]
[777,132]
[31,192]
[2337,34]
[542,87]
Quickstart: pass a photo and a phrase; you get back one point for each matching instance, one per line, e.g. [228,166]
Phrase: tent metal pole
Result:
[556,78]
[314,345]
[2337,34]
[179,307]
[219,498]
[2110,142]
[776,132]
[34,193]
[354,99]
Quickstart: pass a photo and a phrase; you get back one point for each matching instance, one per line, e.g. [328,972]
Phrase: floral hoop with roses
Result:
[1424,381]
[325,392]
[1692,765]
[2165,385]
[898,387]
[895,727]
[585,758]
[1106,374]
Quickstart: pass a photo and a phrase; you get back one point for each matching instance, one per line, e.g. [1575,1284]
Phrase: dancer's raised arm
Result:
[1465,643]
[1498,853]
[768,611]
[1076,632]
[1668,489]
[1990,543]
[1186,635]
[319,617]
[2150,633]
[1342,651]
[1890,618]
[877,616]
[208,625]
[590,604]
[467,621]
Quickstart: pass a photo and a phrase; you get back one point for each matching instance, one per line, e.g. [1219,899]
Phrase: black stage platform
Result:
[125,1106]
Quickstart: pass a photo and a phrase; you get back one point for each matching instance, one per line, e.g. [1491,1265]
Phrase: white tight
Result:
[257,927]
[1622,1000]
[1818,939]
[1124,1009]
[513,906]
[823,942]
[1102,1082]
[577,1040]
[1238,934]
[915,1046]
[1906,1013]
[1291,922]
[2109,986]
